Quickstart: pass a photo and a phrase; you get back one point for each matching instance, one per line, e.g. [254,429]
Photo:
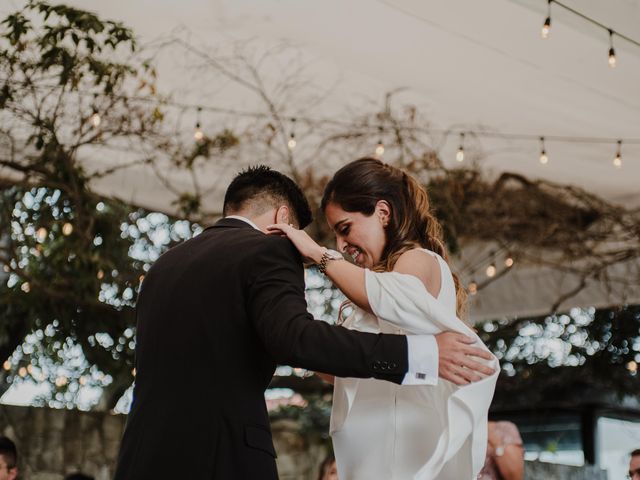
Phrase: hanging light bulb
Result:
[491,271]
[472,287]
[617,162]
[508,262]
[95,116]
[198,135]
[546,28]
[67,229]
[460,153]
[41,234]
[292,141]
[292,137]
[612,52]
[95,119]
[6,365]
[380,145]
[544,159]
[25,287]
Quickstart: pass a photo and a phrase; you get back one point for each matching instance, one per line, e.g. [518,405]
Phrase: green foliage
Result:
[586,355]
[70,287]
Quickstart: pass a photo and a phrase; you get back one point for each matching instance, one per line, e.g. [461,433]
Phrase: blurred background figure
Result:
[634,465]
[328,468]
[8,459]
[505,453]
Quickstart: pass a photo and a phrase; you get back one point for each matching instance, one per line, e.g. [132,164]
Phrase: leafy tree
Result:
[64,96]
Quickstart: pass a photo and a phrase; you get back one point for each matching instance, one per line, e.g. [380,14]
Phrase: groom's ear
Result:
[283,214]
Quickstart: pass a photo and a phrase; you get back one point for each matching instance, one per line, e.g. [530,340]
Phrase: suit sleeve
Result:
[278,311]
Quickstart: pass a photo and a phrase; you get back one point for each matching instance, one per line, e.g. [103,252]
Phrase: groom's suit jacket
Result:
[215,315]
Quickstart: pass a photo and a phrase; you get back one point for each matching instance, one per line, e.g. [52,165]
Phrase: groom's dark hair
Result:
[260,188]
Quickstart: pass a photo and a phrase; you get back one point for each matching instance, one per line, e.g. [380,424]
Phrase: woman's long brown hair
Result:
[359,185]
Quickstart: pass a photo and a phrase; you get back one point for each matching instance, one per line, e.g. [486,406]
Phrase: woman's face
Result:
[360,236]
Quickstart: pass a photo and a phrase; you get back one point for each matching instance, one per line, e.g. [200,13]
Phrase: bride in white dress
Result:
[400,283]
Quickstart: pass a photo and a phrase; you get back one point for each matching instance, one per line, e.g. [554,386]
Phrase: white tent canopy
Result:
[468,65]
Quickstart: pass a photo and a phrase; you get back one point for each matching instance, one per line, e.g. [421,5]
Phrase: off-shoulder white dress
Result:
[384,431]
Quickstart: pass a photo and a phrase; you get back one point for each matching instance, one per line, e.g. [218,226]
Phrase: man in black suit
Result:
[216,314]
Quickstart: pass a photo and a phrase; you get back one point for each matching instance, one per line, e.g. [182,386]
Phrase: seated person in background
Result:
[634,465]
[505,453]
[8,459]
[328,468]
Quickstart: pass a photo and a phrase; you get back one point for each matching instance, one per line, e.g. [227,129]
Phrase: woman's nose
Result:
[341,244]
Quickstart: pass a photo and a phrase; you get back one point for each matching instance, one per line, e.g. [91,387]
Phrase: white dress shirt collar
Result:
[244,219]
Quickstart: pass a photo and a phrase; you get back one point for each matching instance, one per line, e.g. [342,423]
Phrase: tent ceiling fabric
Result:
[466,64]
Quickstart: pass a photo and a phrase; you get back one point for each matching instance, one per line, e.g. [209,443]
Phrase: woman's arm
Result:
[349,278]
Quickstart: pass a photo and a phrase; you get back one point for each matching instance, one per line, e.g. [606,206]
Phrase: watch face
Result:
[334,254]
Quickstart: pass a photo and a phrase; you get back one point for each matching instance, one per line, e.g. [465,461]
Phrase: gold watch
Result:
[327,256]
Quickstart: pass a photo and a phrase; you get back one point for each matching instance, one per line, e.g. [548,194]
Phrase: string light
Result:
[544,159]
[460,153]
[617,162]
[95,116]
[473,287]
[22,372]
[41,234]
[198,135]
[292,138]
[6,365]
[546,28]
[508,262]
[380,145]
[67,229]
[632,367]
[491,271]
[25,287]
[612,52]
[61,381]
[95,119]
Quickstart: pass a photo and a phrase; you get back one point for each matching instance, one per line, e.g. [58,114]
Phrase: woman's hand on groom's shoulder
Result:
[307,246]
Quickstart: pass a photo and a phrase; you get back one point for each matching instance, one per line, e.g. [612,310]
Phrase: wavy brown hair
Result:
[359,185]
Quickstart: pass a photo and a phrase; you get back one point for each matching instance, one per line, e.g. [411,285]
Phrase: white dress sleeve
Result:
[403,301]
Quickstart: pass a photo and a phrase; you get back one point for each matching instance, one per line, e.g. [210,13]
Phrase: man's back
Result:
[201,368]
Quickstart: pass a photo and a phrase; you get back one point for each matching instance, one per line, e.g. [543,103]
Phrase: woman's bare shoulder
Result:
[421,265]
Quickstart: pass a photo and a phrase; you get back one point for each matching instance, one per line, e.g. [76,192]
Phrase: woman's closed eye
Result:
[344,230]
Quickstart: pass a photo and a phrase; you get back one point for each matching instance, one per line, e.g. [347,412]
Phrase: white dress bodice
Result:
[384,431]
